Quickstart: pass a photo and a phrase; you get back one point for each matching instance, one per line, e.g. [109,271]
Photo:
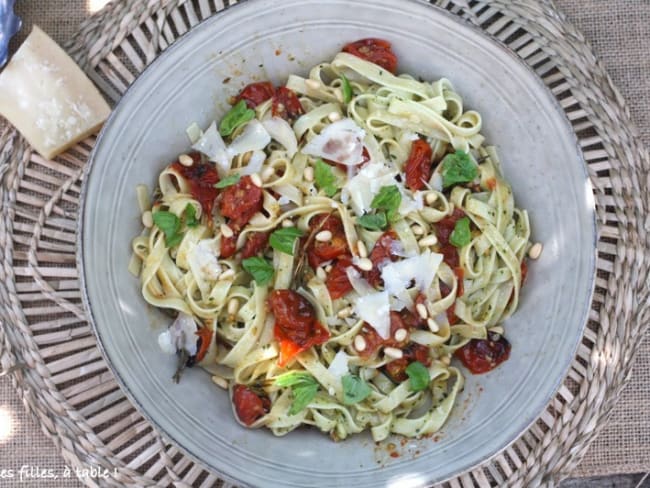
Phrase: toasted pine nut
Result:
[147,219]
[431,198]
[268,173]
[393,352]
[226,231]
[430,240]
[221,382]
[432,325]
[233,307]
[344,313]
[324,236]
[328,268]
[257,181]
[338,93]
[308,174]
[400,335]
[359,343]
[536,251]
[361,247]
[422,311]
[497,329]
[313,84]
[334,116]
[365,264]
[417,230]
[446,360]
[287,223]
[185,160]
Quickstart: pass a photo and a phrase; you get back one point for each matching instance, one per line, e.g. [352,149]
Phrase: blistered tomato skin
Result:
[321,251]
[381,252]
[376,51]
[240,202]
[248,404]
[256,93]
[483,355]
[286,104]
[201,177]
[418,165]
[255,243]
[337,281]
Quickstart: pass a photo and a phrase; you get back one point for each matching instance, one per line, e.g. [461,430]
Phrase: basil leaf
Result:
[228,181]
[303,387]
[376,221]
[388,199]
[355,389]
[190,216]
[418,376]
[236,116]
[461,235]
[170,224]
[457,168]
[325,179]
[346,88]
[283,239]
[261,269]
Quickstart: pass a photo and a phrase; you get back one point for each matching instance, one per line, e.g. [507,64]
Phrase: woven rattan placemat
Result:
[619,33]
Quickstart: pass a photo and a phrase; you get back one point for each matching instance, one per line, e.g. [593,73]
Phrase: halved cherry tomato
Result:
[296,328]
[319,251]
[228,246]
[444,228]
[256,93]
[286,104]
[337,281]
[396,369]
[249,405]
[240,202]
[255,243]
[202,177]
[381,252]
[418,165]
[483,355]
[376,51]
[205,337]
[373,341]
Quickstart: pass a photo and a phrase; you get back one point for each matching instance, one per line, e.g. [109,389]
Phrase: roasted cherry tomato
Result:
[256,93]
[483,355]
[337,281]
[376,51]
[203,342]
[286,104]
[295,327]
[201,177]
[444,228]
[396,369]
[320,251]
[381,252]
[372,339]
[249,405]
[255,243]
[228,246]
[418,165]
[240,202]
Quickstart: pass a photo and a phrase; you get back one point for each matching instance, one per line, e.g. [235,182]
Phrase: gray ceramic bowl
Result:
[265,39]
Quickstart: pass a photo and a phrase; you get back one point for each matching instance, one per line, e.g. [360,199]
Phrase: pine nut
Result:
[430,240]
[497,329]
[417,230]
[233,307]
[432,325]
[431,198]
[147,219]
[446,360]
[536,251]
[287,223]
[393,352]
[328,268]
[221,382]
[365,264]
[400,335]
[344,313]
[268,173]
[320,272]
[422,311]
[226,231]
[229,273]
[361,247]
[257,181]
[308,174]
[313,84]
[185,160]
[334,117]
[324,236]
[359,343]
[338,93]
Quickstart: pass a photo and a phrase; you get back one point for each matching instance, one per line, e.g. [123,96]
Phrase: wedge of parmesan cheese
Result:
[48,98]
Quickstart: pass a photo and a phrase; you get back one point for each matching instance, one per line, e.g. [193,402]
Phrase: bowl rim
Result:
[458,22]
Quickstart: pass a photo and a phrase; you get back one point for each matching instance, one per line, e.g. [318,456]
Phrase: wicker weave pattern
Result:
[50,350]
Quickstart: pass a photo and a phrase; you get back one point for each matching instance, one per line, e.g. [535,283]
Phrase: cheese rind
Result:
[48,98]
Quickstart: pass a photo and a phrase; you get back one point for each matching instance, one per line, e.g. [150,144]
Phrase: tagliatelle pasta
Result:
[331,244]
